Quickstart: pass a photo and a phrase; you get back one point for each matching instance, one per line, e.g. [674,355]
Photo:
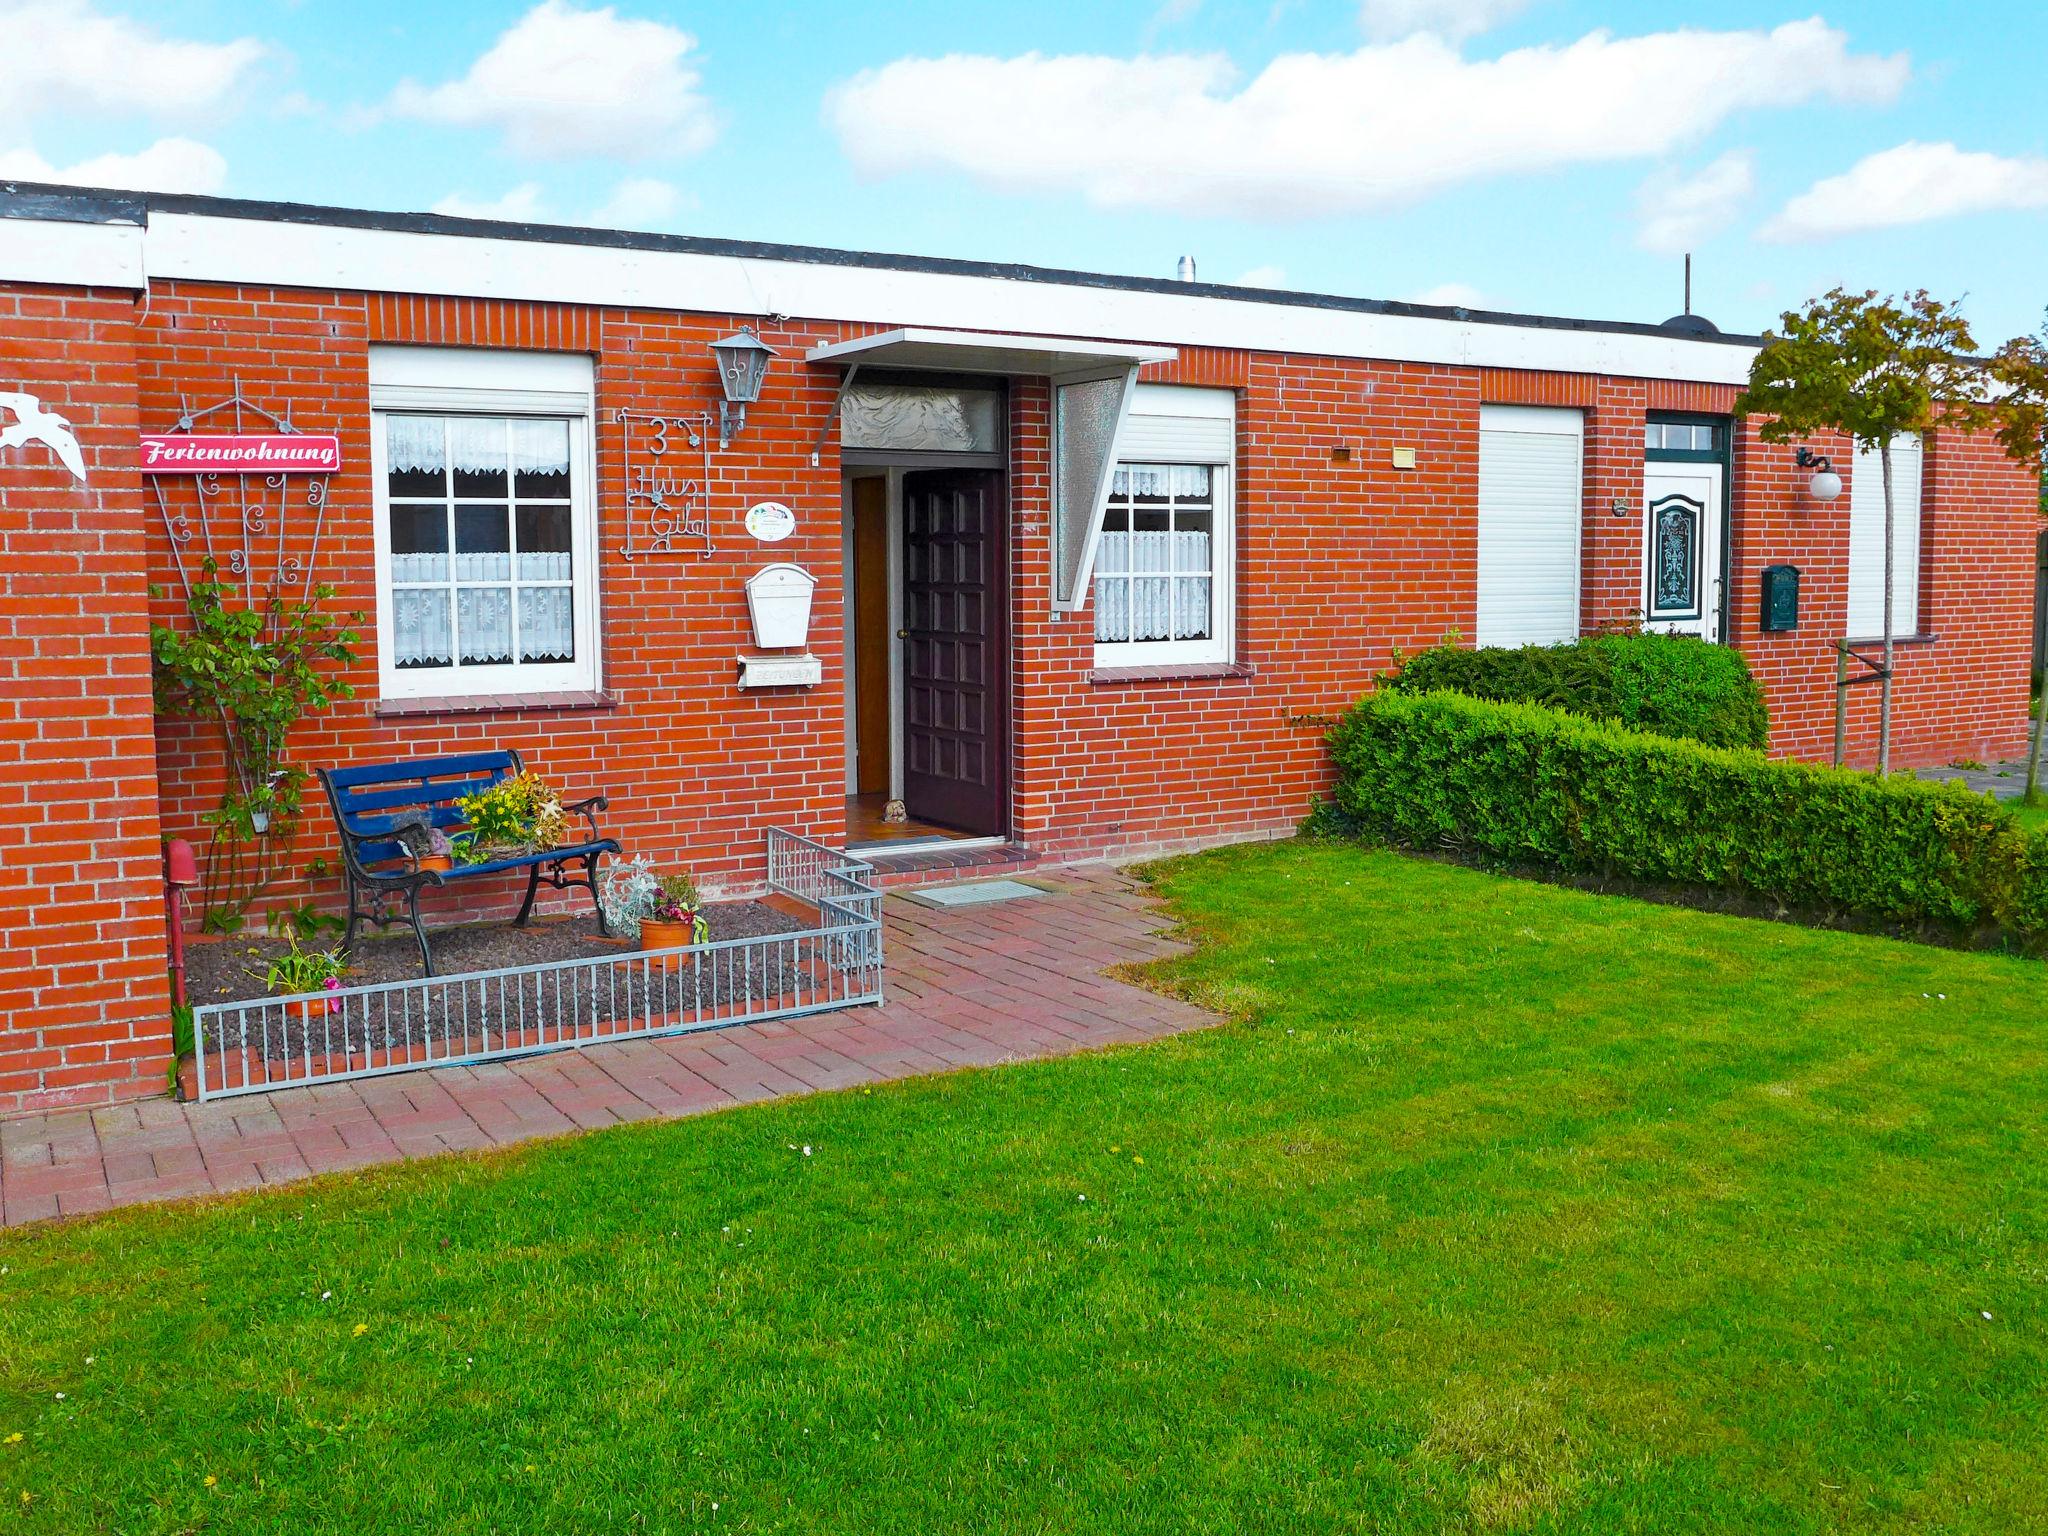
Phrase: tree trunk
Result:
[1884,698]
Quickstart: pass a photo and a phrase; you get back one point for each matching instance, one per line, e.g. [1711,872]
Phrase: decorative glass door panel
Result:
[1675,558]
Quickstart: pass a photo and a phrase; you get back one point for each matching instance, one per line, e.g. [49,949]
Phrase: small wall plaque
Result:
[781,671]
[770,521]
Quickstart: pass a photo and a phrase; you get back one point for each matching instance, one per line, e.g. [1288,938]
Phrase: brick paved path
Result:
[967,987]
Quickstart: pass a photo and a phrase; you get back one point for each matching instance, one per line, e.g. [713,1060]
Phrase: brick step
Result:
[931,865]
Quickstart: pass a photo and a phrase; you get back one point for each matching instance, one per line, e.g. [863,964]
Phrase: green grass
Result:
[1501,1207]
[2033,817]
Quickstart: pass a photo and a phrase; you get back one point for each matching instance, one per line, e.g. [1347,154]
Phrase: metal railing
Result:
[400,1026]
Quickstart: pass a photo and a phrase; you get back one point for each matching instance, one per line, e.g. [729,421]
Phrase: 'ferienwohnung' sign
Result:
[240,453]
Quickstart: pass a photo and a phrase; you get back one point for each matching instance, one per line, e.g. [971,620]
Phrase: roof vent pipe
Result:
[1186,271]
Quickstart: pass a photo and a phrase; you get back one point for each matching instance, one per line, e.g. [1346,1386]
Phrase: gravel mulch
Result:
[464,1017]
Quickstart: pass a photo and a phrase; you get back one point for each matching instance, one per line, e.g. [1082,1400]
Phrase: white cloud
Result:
[1173,12]
[638,202]
[63,55]
[564,82]
[1674,216]
[1386,20]
[1910,185]
[1262,277]
[1317,134]
[523,204]
[1450,296]
[168,165]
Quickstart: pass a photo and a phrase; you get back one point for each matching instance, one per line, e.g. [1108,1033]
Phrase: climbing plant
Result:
[257,667]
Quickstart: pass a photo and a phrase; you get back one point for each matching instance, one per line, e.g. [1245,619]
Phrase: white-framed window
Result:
[486,533]
[1163,570]
[1531,508]
[1866,540]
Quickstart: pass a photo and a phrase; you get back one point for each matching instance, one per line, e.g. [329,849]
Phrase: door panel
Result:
[872,736]
[956,650]
[1682,574]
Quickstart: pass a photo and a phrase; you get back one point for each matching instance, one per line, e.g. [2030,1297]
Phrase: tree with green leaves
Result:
[1874,368]
[258,667]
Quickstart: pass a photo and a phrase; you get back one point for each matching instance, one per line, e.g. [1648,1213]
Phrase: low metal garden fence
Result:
[259,1044]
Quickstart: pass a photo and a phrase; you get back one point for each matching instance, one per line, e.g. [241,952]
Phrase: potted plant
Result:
[674,916]
[302,970]
[425,844]
[518,814]
[664,911]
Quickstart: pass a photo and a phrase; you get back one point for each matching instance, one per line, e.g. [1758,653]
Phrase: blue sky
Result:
[1542,155]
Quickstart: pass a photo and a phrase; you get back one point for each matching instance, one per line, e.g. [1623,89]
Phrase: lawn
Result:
[1498,1207]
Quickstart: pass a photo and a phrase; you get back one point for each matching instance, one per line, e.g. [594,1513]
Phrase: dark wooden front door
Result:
[956,746]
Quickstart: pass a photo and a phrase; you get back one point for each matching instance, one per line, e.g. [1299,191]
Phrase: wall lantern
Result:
[1825,485]
[742,365]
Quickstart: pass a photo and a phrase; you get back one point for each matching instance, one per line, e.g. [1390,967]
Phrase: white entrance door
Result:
[1682,549]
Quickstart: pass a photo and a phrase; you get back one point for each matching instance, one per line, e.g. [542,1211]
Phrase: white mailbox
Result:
[779,599]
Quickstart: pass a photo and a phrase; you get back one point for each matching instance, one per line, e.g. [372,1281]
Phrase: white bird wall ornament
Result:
[33,424]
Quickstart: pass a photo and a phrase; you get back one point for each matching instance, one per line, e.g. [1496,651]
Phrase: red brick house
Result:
[1095,559]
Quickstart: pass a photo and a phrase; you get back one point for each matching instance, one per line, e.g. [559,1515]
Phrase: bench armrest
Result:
[588,809]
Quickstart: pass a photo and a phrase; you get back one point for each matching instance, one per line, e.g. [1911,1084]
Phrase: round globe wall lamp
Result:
[1825,485]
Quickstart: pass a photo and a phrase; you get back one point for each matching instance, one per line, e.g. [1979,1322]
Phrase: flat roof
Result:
[23,200]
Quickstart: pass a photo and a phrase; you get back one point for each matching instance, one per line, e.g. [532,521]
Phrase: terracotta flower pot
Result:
[439,861]
[655,935]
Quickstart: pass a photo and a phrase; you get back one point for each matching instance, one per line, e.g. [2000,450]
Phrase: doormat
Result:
[974,893]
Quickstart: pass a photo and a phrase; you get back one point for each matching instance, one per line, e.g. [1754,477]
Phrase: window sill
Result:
[482,703]
[1185,671]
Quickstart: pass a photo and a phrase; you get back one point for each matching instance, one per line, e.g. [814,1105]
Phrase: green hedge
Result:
[1675,685]
[1530,784]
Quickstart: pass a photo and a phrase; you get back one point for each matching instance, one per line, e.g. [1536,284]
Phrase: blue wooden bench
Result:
[373,804]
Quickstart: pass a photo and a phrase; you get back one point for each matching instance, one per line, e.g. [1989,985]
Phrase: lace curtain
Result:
[425,638]
[476,445]
[1143,591]
[1154,583]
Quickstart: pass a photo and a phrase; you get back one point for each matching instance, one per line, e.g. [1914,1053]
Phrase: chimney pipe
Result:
[1186,270]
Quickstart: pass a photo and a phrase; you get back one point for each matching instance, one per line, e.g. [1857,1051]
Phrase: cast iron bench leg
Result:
[532,888]
[590,874]
[412,903]
[355,916]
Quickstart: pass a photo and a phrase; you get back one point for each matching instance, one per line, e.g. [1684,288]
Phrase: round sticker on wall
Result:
[770,521]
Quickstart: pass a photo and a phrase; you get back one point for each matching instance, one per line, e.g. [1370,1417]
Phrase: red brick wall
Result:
[1339,562]
[1341,559]
[1960,693]
[695,768]
[83,1000]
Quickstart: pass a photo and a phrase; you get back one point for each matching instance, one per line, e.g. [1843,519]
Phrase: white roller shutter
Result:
[1179,424]
[1531,496]
[1866,540]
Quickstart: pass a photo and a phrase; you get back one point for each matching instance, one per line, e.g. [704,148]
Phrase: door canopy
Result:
[1092,386]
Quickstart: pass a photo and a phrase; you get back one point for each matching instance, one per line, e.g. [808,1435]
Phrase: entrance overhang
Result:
[932,350]
[1092,386]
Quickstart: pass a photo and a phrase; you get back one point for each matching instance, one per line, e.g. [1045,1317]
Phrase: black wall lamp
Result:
[1825,485]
